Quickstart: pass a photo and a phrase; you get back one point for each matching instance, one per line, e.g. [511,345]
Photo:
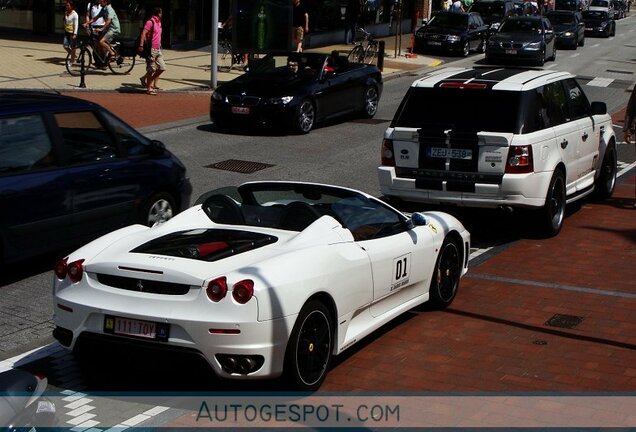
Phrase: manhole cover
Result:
[564,321]
[370,121]
[240,166]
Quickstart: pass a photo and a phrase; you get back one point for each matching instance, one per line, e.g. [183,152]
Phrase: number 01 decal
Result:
[401,271]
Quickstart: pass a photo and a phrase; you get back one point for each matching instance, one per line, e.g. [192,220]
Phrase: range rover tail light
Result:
[388,157]
[520,160]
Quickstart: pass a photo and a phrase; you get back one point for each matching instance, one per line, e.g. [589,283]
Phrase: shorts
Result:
[299,34]
[68,40]
[155,61]
[109,36]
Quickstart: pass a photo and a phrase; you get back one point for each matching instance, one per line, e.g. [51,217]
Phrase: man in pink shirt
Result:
[155,65]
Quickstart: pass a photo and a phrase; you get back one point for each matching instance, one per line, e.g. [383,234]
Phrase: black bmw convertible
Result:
[297,90]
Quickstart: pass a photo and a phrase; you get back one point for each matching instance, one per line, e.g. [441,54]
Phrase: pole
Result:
[214,43]
[82,69]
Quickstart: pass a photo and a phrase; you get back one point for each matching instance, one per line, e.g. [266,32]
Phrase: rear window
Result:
[487,9]
[470,110]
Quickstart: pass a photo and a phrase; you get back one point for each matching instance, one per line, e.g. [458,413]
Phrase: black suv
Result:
[493,12]
[71,171]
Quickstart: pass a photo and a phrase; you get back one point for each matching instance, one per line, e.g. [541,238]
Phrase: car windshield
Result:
[279,64]
[600,3]
[449,20]
[595,15]
[557,18]
[486,8]
[566,4]
[520,26]
[470,110]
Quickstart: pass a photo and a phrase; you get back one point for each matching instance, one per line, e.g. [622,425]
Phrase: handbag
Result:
[144,52]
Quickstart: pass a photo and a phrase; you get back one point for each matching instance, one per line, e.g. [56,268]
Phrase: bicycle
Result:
[366,48]
[90,50]
[226,57]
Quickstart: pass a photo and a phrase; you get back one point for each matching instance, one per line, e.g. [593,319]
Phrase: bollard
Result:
[82,69]
[381,55]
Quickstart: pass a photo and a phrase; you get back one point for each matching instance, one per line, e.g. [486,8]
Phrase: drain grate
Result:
[564,321]
[239,166]
[370,121]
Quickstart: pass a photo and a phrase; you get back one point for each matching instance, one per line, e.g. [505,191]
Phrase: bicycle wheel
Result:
[356,55]
[370,53]
[123,63]
[75,68]
[224,57]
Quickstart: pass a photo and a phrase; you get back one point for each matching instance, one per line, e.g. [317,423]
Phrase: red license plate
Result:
[137,328]
[240,110]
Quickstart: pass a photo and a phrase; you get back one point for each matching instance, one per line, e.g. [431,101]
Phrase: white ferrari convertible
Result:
[265,279]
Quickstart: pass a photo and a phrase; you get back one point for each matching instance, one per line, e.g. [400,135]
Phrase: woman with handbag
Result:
[155,64]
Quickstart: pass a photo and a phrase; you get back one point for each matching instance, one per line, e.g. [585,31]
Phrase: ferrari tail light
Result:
[520,160]
[217,289]
[388,157]
[243,291]
[60,268]
[74,270]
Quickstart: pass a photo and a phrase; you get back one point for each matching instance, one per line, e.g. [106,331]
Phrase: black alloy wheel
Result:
[541,60]
[553,211]
[606,181]
[448,270]
[310,346]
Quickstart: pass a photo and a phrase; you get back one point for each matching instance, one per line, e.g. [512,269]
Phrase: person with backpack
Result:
[155,64]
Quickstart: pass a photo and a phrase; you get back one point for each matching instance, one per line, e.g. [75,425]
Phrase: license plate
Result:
[137,328]
[449,153]
[511,51]
[434,43]
[588,28]
[240,110]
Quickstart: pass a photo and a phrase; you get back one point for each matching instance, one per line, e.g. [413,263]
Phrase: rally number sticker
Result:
[401,272]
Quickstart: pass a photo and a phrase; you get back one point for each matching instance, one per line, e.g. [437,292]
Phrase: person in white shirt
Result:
[457,6]
[92,10]
[71,22]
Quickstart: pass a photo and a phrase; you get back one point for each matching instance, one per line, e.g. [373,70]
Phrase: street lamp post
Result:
[214,45]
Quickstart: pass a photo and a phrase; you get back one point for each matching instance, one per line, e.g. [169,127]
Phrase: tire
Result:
[159,208]
[482,47]
[466,49]
[582,42]
[606,181]
[370,53]
[75,69]
[614,30]
[371,99]
[123,64]
[552,213]
[309,348]
[445,279]
[541,60]
[356,55]
[305,117]
[554,53]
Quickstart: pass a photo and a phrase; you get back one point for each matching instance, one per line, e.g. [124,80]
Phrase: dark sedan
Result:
[569,28]
[525,39]
[71,171]
[297,90]
[599,23]
[455,32]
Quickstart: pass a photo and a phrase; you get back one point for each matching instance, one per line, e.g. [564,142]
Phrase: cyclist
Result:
[92,10]
[110,29]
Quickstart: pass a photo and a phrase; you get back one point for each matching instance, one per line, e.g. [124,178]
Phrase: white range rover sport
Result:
[499,137]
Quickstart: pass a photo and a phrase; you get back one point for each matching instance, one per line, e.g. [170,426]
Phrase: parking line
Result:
[550,285]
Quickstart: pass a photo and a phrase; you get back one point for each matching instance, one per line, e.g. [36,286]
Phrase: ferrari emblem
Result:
[311,347]
[140,285]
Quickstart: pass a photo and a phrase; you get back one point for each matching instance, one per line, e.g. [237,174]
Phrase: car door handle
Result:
[584,136]
[564,143]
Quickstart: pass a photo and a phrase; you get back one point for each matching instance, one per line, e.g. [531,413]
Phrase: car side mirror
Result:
[417,219]
[599,108]
[157,148]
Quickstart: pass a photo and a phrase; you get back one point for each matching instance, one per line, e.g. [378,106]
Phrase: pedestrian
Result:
[352,17]
[446,4]
[71,22]
[155,65]
[300,25]
[457,6]
[92,10]
[629,125]
[109,30]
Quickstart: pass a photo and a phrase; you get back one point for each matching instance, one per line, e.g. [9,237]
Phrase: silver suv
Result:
[495,137]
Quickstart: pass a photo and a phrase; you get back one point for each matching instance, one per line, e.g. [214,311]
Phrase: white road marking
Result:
[78,403]
[626,169]
[135,420]
[84,427]
[575,55]
[600,82]
[595,45]
[81,419]
[79,411]
[73,396]
[156,410]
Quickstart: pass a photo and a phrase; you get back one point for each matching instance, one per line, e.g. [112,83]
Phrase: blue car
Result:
[71,171]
